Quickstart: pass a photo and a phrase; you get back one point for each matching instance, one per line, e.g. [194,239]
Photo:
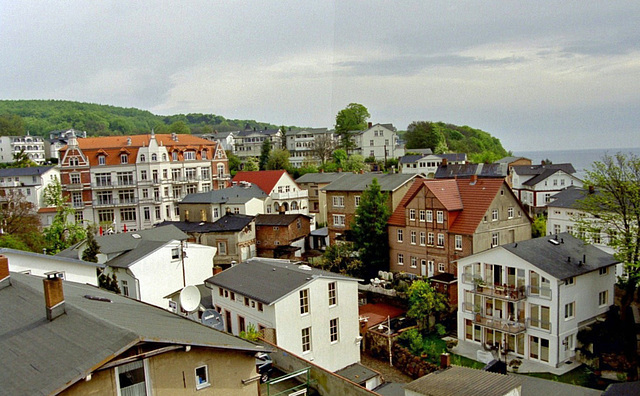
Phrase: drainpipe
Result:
[558,324]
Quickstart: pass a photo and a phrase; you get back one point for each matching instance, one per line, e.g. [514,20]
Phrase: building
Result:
[427,165]
[137,181]
[301,143]
[314,184]
[32,146]
[510,162]
[453,171]
[233,235]
[378,141]
[71,269]
[75,339]
[30,182]
[282,235]
[440,221]
[151,264]
[249,142]
[309,312]
[534,296]
[226,139]
[343,197]
[57,140]
[284,193]
[535,184]
[243,198]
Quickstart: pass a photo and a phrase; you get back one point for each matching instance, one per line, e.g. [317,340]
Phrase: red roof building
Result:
[285,195]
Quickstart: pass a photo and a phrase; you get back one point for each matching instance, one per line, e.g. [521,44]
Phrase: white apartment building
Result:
[378,141]
[534,185]
[248,143]
[534,296]
[33,147]
[309,312]
[301,143]
[30,182]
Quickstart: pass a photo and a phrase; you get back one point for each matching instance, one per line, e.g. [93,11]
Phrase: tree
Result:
[251,333]
[323,146]
[278,159]
[19,222]
[370,230]
[90,253]
[234,162]
[179,127]
[62,233]
[251,164]
[265,151]
[342,258]
[355,163]
[352,118]
[425,301]
[539,226]
[22,160]
[616,205]
[11,125]
[423,134]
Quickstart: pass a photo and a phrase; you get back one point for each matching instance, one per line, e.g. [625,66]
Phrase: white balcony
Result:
[291,195]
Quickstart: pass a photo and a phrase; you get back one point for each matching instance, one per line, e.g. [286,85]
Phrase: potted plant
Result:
[478,283]
[477,309]
[514,364]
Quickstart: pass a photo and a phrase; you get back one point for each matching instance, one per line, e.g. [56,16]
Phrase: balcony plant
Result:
[478,283]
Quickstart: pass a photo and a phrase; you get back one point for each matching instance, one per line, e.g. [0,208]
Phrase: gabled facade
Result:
[378,141]
[134,182]
[535,184]
[510,162]
[32,146]
[314,184]
[284,194]
[282,235]
[440,221]
[225,139]
[243,198]
[311,313]
[534,296]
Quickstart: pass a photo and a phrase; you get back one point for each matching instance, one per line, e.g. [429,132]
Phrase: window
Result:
[260,307]
[570,281]
[202,377]
[458,242]
[422,215]
[241,324]
[102,160]
[304,301]
[333,330]
[124,159]
[510,213]
[414,262]
[429,216]
[76,199]
[440,240]
[204,154]
[189,155]
[125,288]
[306,339]
[494,215]
[128,214]
[206,174]
[105,215]
[127,196]
[174,156]
[333,299]
[370,142]
[400,236]
[430,238]
[569,310]
[556,228]
[147,213]
[338,201]
[440,267]
[154,157]
[413,237]
[440,216]
[338,220]
[75,178]
[222,248]
[357,200]
[423,238]
[78,217]
[603,298]
[603,271]
[125,178]
[412,214]
[131,378]
[143,158]
[400,259]
[495,239]
[175,253]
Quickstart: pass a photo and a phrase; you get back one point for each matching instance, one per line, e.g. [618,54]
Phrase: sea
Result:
[582,160]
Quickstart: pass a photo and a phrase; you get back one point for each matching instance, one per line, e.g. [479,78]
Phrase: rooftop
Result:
[457,380]
[277,219]
[361,181]
[266,180]
[319,177]
[238,194]
[31,171]
[228,222]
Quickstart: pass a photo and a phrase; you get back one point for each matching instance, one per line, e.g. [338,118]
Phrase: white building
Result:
[151,264]
[535,184]
[378,141]
[33,147]
[31,182]
[309,312]
[72,269]
[58,139]
[427,165]
[225,139]
[301,143]
[248,143]
[283,192]
[534,296]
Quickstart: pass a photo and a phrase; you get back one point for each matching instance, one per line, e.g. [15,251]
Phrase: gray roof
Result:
[508,160]
[228,222]
[453,156]
[539,169]
[357,373]
[309,130]
[249,132]
[32,171]
[323,232]
[361,181]
[425,151]
[267,280]
[320,177]
[456,380]
[238,194]
[553,258]
[466,170]
[410,159]
[567,198]
[623,389]
[277,219]
[533,386]
[44,357]
[72,260]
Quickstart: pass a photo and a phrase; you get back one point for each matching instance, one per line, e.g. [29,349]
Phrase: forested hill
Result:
[39,117]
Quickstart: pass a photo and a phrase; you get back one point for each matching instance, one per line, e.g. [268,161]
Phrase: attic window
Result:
[136,236]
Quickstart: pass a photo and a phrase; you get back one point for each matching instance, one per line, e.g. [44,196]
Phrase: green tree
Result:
[251,333]
[355,163]
[423,134]
[108,281]
[342,258]
[251,164]
[19,222]
[62,233]
[265,151]
[425,301]
[234,162]
[11,125]
[179,127]
[370,230]
[21,160]
[539,226]
[278,159]
[616,206]
[90,253]
[352,118]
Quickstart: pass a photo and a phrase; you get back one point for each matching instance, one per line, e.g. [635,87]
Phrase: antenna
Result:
[212,318]
[190,298]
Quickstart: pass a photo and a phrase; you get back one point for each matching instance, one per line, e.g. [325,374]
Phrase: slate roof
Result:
[32,171]
[277,219]
[532,386]
[466,170]
[553,258]
[266,180]
[44,357]
[267,280]
[623,389]
[228,223]
[457,380]
[249,132]
[567,198]
[50,258]
[361,181]
[237,194]
[538,169]
[319,177]
[410,159]
[357,373]
[453,156]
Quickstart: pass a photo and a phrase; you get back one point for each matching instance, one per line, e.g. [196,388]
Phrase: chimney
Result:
[592,189]
[5,279]
[217,269]
[128,141]
[474,179]
[444,162]
[370,124]
[53,295]
[445,361]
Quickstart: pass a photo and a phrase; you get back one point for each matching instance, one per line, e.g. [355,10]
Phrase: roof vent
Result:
[554,241]
[95,298]
[136,236]
[304,267]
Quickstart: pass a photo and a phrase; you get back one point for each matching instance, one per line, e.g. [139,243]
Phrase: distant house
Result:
[309,312]
[535,184]
[378,141]
[427,165]
[465,171]
[30,182]
[314,184]
[534,296]
[282,235]
[284,193]
[226,139]
[233,235]
[301,143]
[31,146]
[152,263]
[248,142]
[75,339]
[243,198]
[510,162]
[58,139]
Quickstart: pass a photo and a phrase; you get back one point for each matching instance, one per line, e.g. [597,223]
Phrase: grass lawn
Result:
[465,361]
[580,376]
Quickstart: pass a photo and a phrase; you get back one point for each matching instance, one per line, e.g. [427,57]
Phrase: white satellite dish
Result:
[190,298]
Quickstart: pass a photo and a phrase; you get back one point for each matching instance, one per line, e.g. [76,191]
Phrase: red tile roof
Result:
[476,198]
[266,180]
[446,191]
[377,313]
[397,218]
[140,141]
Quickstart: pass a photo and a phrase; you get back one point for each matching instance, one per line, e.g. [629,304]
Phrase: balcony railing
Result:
[539,324]
[540,291]
[98,203]
[291,194]
[112,184]
[74,186]
[503,292]
[508,326]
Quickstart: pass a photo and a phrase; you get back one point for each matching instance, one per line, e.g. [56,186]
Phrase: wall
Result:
[39,264]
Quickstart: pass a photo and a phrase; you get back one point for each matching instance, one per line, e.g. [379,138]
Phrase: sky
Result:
[537,75]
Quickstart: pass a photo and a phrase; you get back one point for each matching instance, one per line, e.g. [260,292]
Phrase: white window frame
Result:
[458,242]
[494,215]
[412,214]
[207,382]
[570,310]
[304,301]
[400,259]
[423,215]
[356,201]
[429,216]
[440,240]
[333,294]
[400,235]
[440,267]
[603,299]
[431,239]
[510,212]
[413,237]
[495,239]
[440,216]
[414,262]
[147,377]
[338,201]
[333,330]
[338,220]
[423,238]
[306,340]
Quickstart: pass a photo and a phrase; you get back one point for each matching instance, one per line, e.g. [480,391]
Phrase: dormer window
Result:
[174,156]
[154,157]
[205,154]
[102,160]
[164,156]
[124,158]
[73,161]
[189,155]
[143,158]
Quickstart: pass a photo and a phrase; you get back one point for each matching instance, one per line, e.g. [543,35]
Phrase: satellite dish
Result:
[212,318]
[190,298]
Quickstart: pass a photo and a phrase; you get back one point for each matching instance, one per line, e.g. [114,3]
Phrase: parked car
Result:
[264,366]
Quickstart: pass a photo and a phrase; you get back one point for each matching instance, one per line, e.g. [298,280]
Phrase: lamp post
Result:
[388,326]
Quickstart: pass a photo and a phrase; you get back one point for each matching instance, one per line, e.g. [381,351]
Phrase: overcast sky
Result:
[537,75]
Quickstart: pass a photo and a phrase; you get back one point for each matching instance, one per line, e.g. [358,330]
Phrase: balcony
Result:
[507,326]
[539,324]
[112,184]
[540,291]
[504,292]
[107,203]
[222,176]
[74,187]
[291,194]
